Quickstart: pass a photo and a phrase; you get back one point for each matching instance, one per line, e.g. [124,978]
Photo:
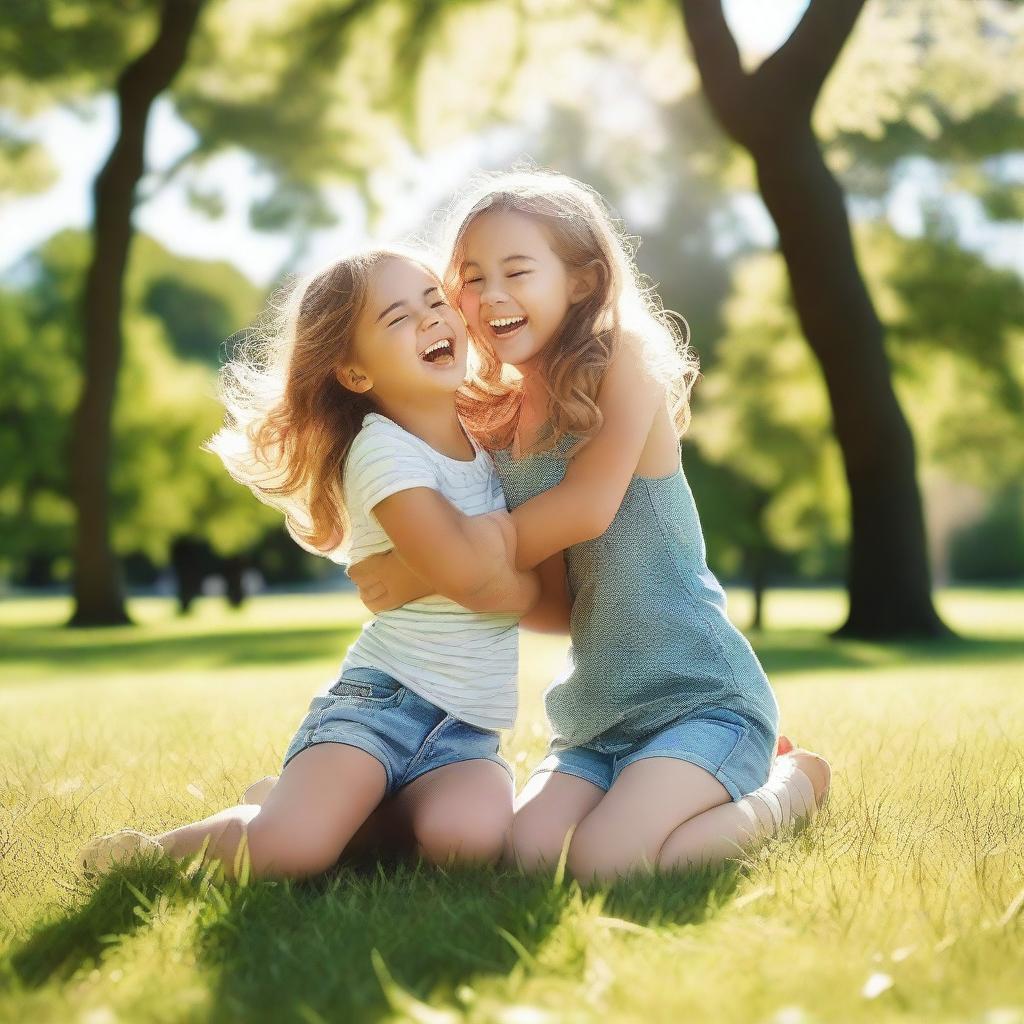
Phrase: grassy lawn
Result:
[903,902]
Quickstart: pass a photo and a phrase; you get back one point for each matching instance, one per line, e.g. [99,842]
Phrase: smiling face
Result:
[515,290]
[409,345]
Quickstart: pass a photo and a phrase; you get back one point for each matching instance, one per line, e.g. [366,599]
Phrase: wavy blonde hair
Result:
[290,423]
[584,235]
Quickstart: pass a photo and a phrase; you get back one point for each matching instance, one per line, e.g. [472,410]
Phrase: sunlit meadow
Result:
[903,901]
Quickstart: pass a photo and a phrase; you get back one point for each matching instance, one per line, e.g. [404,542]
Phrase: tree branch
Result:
[726,84]
[795,73]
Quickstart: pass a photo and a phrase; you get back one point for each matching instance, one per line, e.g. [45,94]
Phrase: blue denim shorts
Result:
[718,740]
[368,709]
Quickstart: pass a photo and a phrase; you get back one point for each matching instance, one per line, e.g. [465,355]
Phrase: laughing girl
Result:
[664,724]
[350,423]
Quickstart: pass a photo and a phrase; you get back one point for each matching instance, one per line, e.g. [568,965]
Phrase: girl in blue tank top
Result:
[664,724]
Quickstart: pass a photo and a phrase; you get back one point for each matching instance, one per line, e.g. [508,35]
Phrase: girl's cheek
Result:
[469,307]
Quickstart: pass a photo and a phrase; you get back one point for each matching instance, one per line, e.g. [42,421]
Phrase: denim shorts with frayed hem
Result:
[368,709]
[734,750]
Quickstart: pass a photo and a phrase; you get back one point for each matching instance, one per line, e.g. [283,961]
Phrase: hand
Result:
[385,582]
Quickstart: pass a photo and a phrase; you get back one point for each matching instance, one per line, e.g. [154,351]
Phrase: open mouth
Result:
[441,353]
[506,325]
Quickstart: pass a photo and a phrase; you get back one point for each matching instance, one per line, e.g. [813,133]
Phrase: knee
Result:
[595,856]
[463,834]
[587,864]
[284,853]
[536,843]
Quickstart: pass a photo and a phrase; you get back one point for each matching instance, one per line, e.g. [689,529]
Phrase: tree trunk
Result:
[758,582]
[99,599]
[769,113]
[757,560]
[888,576]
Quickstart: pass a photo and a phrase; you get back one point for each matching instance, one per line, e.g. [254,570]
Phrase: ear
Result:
[353,378]
[583,283]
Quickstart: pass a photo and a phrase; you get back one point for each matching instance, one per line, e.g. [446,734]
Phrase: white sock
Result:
[788,797]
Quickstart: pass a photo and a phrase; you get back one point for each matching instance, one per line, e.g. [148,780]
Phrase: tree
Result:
[163,486]
[955,328]
[764,414]
[280,99]
[769,112]
[326,92]
[674,182]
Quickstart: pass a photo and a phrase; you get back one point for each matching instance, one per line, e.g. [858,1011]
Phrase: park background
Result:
[164,166]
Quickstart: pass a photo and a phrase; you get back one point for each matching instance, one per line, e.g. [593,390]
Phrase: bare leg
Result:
[797,787]
[460,812]
[320,801]
[457,812]
[549,808]
[646,803]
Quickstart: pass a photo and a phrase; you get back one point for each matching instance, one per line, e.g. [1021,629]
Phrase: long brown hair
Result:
[584,235]
[290,423]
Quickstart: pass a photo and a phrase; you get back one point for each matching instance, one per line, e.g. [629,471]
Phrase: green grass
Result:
[911,873]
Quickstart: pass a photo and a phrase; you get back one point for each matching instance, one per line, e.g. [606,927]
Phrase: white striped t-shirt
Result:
[464,662]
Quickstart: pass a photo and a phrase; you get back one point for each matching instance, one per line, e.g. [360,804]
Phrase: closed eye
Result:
[472,280]
[440,302]
[519,273]
[397,320]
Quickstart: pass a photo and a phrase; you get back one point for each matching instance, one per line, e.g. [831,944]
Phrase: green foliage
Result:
[24,167]
[761,415]
[73,45]
[60,51]
[199,303]
[325,92]
[993,548]
[196,320]
[762,411]
[177,313]
[956,330]
[945,298]
[939,78]
[37,393]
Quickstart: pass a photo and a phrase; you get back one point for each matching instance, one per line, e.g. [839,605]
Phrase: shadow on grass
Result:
[794,652]
[305,953]
[82,653]
[673,897]
[358,945]
[113,910]
[780,652]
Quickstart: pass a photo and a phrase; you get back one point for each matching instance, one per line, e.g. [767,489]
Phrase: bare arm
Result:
[551,612]
[583,505]
[469,559]
[580,508]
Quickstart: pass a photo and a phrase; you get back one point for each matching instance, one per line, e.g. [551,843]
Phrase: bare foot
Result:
[100,855]
[258,791]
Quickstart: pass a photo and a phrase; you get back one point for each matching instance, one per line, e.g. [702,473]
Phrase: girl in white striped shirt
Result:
[349,422]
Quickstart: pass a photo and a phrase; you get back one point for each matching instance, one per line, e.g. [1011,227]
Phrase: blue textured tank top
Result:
[651,641]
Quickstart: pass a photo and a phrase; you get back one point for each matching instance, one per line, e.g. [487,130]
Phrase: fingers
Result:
[365,571]
[375,593]
[359,574]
